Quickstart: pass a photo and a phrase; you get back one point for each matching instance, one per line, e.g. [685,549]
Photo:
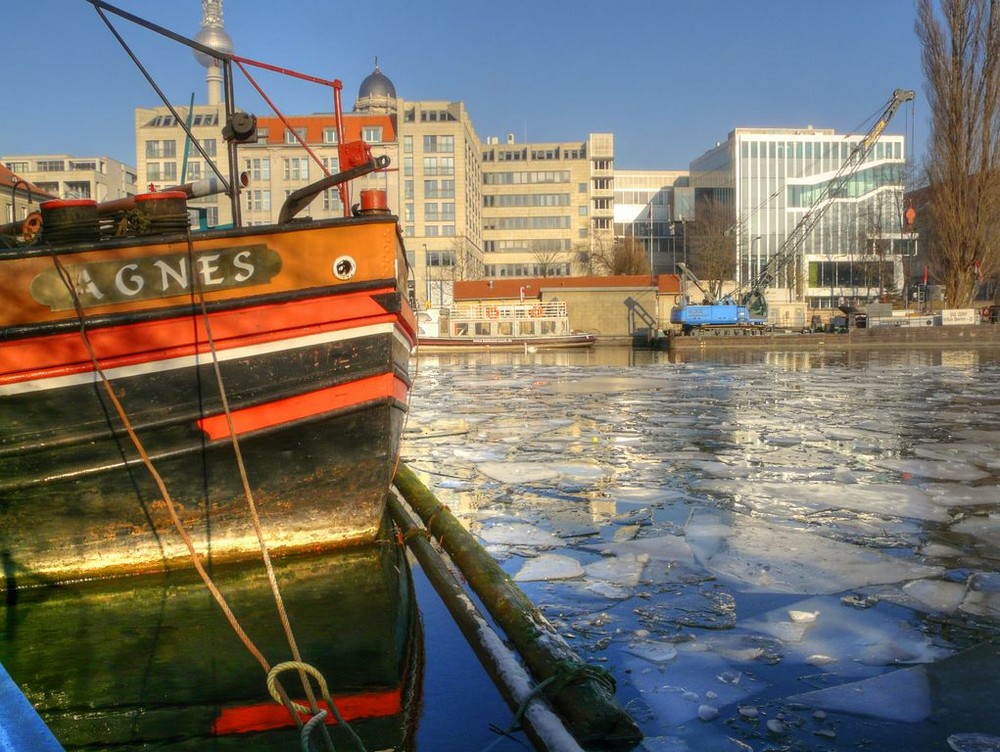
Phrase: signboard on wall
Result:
[957,316]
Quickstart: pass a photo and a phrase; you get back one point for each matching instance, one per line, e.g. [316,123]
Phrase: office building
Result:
[546,205]
[67,177]
[653,208]
[769,178]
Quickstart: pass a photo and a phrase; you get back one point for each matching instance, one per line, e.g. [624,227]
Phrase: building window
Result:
[408,166]
[372,134]
[296,168]
[259,200]
[170,171]
[430,166]
[291,134]
[407,144]
[439,144]
[408,189]
[431,189]
[51,165]
[193,171]
[259,169]
[332,164]
[79,189]
[447,165]
[331,200]
[262,135]
[153,172]
[161,149]
[329,135]
[431,212]
[208,144]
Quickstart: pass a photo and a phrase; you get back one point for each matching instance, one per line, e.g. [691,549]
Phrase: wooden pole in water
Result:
[582,694]
[536,717]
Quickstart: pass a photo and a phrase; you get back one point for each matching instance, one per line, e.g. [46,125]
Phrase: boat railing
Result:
[507,311]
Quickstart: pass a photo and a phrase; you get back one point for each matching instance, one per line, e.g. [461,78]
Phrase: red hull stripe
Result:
[268,716]
[58,378]
[305,405]
[173,338]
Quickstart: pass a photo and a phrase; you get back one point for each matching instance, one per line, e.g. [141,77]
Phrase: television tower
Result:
[212,35]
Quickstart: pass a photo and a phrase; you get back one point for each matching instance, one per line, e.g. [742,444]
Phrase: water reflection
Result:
[151,663]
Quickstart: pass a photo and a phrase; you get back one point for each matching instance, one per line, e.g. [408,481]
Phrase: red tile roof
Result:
[315,124]
[7,179]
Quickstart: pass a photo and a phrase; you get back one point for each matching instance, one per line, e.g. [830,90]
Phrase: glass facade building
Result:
[770,178]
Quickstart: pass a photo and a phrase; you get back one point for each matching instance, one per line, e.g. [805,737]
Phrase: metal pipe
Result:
[540,723]
[583,694]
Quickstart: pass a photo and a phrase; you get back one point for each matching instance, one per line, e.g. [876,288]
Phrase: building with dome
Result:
[376,94]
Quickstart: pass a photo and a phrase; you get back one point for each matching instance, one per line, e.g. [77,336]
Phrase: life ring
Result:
[492,312]
[31,226]
[536,311]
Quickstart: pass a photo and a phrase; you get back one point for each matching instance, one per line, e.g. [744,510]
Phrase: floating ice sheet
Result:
[938,469]
[550,567]
[843,640]
[772,558]
[676,690]
[885,499]
[900,695]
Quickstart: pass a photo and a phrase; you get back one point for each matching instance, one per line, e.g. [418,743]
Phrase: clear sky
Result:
[669,78]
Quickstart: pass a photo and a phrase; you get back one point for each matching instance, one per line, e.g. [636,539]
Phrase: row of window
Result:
[371,134]
[527,223]
[429,116]
[527,199]
[528,270]
[519,178]
[169,121]
[836,150]
[432,144]
[167,149]
[538,245]
[520,154]
[860,183]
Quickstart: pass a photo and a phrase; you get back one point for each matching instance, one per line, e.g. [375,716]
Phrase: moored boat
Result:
[168,393]
[511,326]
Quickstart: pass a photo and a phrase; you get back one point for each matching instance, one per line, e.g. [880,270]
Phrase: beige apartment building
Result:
[545,205]
[67,177]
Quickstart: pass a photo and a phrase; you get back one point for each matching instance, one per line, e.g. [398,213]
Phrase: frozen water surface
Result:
[766,550]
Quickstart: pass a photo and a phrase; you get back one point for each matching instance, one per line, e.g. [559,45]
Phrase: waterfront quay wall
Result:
[958,336]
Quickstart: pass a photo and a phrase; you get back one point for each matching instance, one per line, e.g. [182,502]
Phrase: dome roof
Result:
[376,85]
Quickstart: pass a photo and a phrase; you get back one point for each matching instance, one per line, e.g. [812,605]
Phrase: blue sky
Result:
[668,78]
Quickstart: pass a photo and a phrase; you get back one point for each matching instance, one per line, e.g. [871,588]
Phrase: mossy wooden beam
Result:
[582,694]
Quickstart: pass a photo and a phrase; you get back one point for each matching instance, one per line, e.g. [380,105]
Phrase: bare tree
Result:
[547,260]
[714,244]
[961,61]
[622,256]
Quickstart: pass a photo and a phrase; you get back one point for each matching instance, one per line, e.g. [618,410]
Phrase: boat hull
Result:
[114,427]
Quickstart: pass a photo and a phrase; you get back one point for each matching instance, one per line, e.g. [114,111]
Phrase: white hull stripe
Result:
[193,361]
